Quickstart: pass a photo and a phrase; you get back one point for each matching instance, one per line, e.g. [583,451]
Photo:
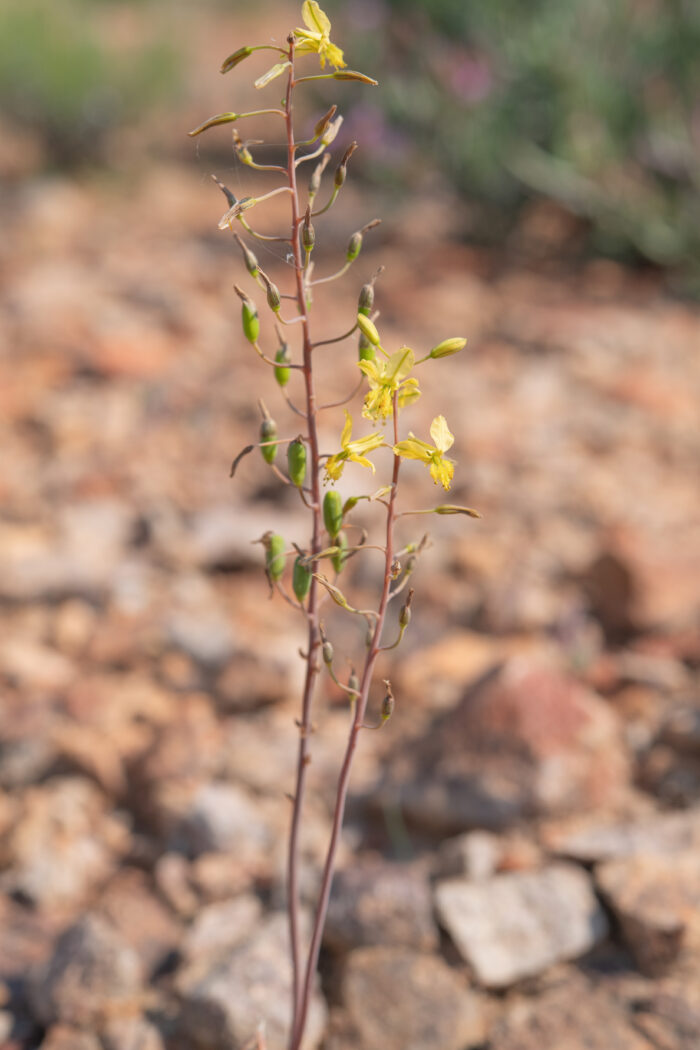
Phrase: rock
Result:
[474,855]
[518,924]
[668,1020]
[65,1037]
[63,844]
[219,928]
[93,974]
[172,878]
[592,841]
[573,1015]
[73,627]
[134,911]
[528,740]
[681,730]
[26,940]
[33,666]
[380,903]
[223,1004]
[131,1033]
[656,900]
[248,683]
[400,999]
[221,817]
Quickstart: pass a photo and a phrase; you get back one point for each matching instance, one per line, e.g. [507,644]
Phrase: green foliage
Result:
[63,75]
[594,103]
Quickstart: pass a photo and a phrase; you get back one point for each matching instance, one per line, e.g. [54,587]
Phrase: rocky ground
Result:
[521,866]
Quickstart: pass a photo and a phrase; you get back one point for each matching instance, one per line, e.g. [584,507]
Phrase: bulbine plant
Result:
[313,570]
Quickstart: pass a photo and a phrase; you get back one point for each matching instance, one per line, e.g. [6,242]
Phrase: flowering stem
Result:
[344,777]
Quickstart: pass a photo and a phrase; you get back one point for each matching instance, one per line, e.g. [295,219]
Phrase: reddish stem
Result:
[312,665]
[344,777]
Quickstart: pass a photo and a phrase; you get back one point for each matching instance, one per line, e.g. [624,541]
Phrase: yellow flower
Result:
[441,469]
[387,378]
[316,36]
[352,451]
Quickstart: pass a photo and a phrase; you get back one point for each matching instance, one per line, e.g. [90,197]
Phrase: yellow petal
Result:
[442,471]
[334,466]
[347,430]
[412,448]
[276,71]
[400,364]
[315,18]
[364,462]
[440,433]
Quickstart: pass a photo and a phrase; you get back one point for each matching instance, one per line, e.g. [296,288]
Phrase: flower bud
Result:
[268,432]
[296,462]
[301,579]
[354,247]
[448,346]
[282,374]
[366,300]
[332,512]
[274,555]
[327,653]
[338,559]
[235,58]
[368,329]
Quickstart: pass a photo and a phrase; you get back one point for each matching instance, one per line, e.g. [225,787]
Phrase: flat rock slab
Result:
[518,924]
[656,900]
[574,1015]
[399,999]
[595,841]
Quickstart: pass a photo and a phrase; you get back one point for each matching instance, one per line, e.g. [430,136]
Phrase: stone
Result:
[92,974]
[656,900]
[591,841]
[65,1037]
[221,817]
[134,910]
[131,1033]
[528,740]
[63,844]
[573,1015]
[219,928]
[518,924]
[400,999]
[380,903]
[172,878]
[474,855]
[223,1003]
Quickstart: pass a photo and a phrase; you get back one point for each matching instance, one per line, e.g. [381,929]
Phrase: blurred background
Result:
[536,170]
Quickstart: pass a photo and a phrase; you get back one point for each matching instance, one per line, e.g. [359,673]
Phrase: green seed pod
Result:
[338,559]
[268,432]
[366,351]
[282,374]
[296,462]
[366,300]
[250,321]
[332,512]
[387,706]
[274,555]
[327,653]
[368,329]
[354,682]
[274,300]
[404,616]
[354,247]
[301,579]
[251,263]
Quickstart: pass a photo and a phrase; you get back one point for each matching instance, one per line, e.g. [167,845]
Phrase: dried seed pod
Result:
[268,432]
[332,512]
[325,120]
[308,234]
[388,705]
[251,262]
[301,579]
[338,559]
[274,555]
[296,462]
[282,374]
[366,300]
